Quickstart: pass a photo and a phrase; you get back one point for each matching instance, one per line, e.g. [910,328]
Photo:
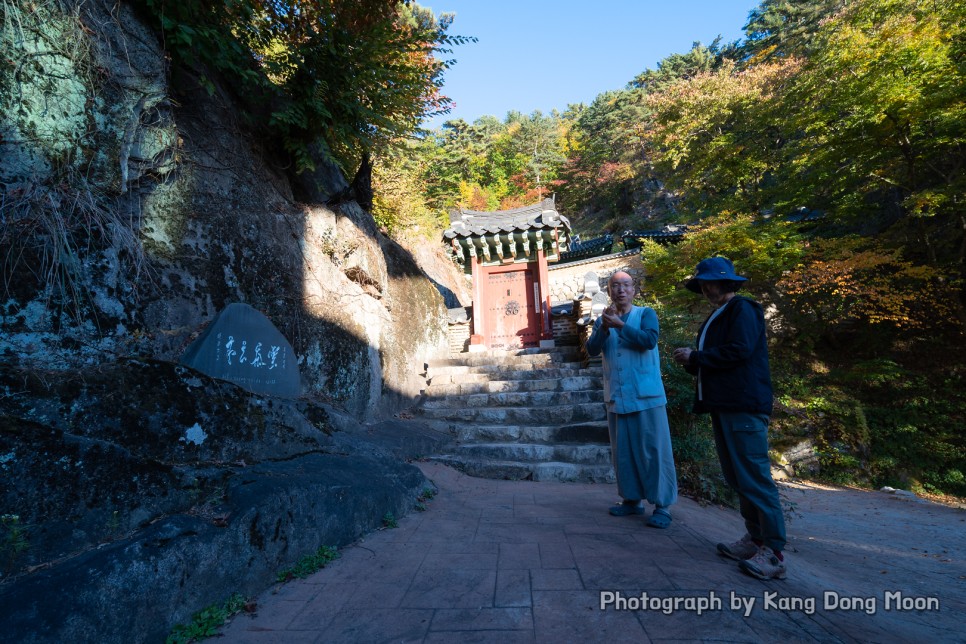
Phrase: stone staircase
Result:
[533,414]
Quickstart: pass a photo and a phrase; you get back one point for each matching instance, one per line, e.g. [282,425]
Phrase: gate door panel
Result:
[510,305]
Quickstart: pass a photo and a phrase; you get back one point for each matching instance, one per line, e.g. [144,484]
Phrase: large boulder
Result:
[137,587]
[144,490]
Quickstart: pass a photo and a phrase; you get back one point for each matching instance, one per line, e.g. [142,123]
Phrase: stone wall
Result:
[459,338]
[565,330]
[567,280]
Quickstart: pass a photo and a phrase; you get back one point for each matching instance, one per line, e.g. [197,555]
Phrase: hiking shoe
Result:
[626,508]
[739,550]
[764,565]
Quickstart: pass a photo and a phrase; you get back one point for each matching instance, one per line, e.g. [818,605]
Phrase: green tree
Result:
[538,143]
[491,164]
[762,252]
[881,111]
[463,168]
[718,139]
[354,74]
[400,205]
[608,147]
[784,28]
[700,59]
[610,165]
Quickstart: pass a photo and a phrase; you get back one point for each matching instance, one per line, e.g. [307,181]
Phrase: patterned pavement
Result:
[518,561]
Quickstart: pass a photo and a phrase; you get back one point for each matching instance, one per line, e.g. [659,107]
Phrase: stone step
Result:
[588,454]
[568,383]
[523,356]
[523,415]
[504,375]
[514,470]
[492,369]
[563,414]
[515,399]
[591,432]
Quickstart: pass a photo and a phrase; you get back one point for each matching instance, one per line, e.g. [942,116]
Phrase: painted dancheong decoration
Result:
[507,253]
[243,346]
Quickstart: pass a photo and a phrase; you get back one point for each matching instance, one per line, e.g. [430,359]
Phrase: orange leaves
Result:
[611,171]
[846,281]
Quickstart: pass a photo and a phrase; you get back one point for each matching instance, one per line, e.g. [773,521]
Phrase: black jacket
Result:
[734,373]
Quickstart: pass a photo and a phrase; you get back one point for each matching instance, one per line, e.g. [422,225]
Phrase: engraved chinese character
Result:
[229,352]
[257,361]
[272,356]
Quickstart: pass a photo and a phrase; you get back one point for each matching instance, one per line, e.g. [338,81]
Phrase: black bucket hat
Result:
[713,269]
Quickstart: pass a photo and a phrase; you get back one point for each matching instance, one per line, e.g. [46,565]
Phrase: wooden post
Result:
[477,342]
[546,331]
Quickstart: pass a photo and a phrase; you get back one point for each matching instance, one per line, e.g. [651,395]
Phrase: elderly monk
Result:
[640,439]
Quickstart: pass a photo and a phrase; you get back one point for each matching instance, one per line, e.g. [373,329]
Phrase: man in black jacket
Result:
[734,385]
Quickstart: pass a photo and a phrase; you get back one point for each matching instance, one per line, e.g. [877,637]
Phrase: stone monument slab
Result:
[598,304]
[242,346]
[591,285]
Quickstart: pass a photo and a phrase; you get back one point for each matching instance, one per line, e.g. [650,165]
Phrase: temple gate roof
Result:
[502,236]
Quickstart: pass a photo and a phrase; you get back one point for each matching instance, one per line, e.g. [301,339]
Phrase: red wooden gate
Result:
[510,300]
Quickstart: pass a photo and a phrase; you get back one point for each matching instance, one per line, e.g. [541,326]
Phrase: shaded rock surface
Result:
[150,205]
[136,588]
[138,202]
[147,491]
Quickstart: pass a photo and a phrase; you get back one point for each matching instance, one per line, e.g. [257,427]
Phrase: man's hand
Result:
[682,355]
[611,320]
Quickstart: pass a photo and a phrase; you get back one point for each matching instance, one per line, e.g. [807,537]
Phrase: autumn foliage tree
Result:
[491,164]
[881,111]
[866,127]
[849,283]
[717,138]
[853,113]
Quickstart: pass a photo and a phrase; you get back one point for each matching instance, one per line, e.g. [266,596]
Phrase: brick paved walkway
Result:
[517,561]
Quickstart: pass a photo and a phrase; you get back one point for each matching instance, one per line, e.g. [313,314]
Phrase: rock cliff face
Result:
[134,209]
[144,492]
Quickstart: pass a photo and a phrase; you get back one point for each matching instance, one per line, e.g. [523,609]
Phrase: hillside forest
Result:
[824,153]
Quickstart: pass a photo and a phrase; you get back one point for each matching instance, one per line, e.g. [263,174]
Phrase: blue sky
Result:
[546,54]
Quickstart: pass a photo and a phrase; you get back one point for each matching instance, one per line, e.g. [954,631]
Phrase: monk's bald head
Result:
[622,278]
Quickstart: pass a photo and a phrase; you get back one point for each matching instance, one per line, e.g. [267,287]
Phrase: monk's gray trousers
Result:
[640,446]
